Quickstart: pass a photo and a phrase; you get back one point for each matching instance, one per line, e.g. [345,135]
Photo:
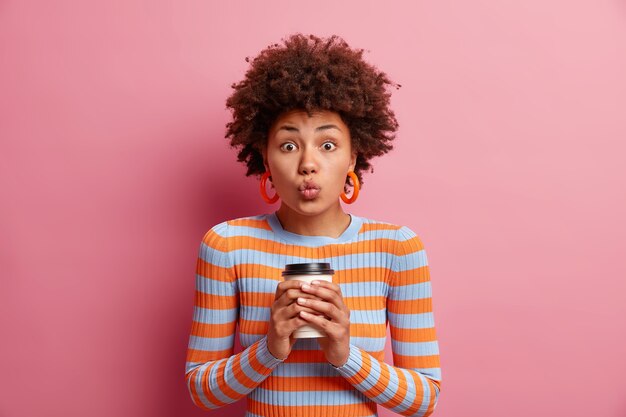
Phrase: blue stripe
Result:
[412,321]
[410,292]
[354,361]
[211,316]
[254,232]
[249,370]
[215,389]
[392,387]
[295,370]
[407,401]
[307,398]
[415,348]
[214,287]
[260,285]
[199,391]
[364,289]
[372,378]
[432,373]
[230,379]
[370,344]
[356,316]
[211,344]
[426,396]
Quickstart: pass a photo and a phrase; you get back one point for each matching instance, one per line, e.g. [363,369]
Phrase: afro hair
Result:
[312,74]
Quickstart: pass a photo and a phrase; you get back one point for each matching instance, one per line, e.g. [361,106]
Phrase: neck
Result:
[332,222]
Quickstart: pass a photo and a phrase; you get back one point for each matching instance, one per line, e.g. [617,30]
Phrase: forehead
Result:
[301,119]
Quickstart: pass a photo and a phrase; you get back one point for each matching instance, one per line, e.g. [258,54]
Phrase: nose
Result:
[308,165]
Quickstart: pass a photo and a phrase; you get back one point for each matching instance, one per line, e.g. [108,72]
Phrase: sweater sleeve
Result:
[214,376]
[411,387]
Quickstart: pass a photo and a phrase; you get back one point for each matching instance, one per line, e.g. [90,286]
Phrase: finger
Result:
[296,308]
[319,321]
[284,286]
[291,290]
[330,311]
[327,284]
[325,293]
[289,297]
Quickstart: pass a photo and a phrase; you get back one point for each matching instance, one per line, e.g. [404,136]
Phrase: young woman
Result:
[308,117]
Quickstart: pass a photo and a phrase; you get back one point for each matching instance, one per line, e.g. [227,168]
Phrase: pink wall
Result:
[113,165]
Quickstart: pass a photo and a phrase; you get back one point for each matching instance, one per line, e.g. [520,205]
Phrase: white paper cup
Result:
[308,272]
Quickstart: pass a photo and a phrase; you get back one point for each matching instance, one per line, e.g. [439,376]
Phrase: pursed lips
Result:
[309,190]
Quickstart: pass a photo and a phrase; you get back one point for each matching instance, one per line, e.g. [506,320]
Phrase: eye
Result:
[288,146]
[332,144]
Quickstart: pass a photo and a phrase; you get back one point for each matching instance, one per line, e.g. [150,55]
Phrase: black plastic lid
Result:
[309,268]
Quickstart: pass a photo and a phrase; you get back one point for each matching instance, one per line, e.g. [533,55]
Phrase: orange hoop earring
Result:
[267,199]
[355,190]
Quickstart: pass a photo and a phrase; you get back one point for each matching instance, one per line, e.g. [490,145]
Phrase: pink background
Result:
[509,163]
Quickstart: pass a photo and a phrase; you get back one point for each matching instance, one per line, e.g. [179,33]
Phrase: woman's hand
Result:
[334,321]
[285,318]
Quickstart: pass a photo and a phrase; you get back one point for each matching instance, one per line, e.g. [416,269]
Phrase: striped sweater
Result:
[383,273]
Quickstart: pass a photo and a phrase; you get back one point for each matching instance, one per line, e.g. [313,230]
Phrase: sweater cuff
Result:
[352,365]
[265,356]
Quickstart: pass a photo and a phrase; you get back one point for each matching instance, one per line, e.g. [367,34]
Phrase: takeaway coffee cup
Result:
[308,272]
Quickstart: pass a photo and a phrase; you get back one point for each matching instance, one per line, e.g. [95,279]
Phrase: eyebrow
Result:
[295,129]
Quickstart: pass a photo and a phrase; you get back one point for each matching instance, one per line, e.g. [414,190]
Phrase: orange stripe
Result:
[243,379]
[221,382]
[253,359]
[420,305]
[366,367]
[203,356]
[417,361]
[356,329]
[213,330]
[413,335]
[214,301]
[358,409]
[367,274]
[384,378]
[207,393]
[414,243]
[253,327]
[245,270]
[258,224]
[400,392]
[211,271]
[431,403]
[191,378]
[306,356]
[368,330]
[410,276]
[379,226]
[419,394]
[257,299]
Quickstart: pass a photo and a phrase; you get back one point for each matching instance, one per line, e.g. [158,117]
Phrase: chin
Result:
[309,207]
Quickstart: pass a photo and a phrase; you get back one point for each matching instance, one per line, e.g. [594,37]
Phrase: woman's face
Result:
[304,152]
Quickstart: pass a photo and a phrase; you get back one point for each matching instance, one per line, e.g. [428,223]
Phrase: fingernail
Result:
[306,286]
[315,282]
[301,300]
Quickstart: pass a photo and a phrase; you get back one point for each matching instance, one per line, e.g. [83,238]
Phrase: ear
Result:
[353,160]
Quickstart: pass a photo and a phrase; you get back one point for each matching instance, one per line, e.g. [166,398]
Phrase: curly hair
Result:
[312,74]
